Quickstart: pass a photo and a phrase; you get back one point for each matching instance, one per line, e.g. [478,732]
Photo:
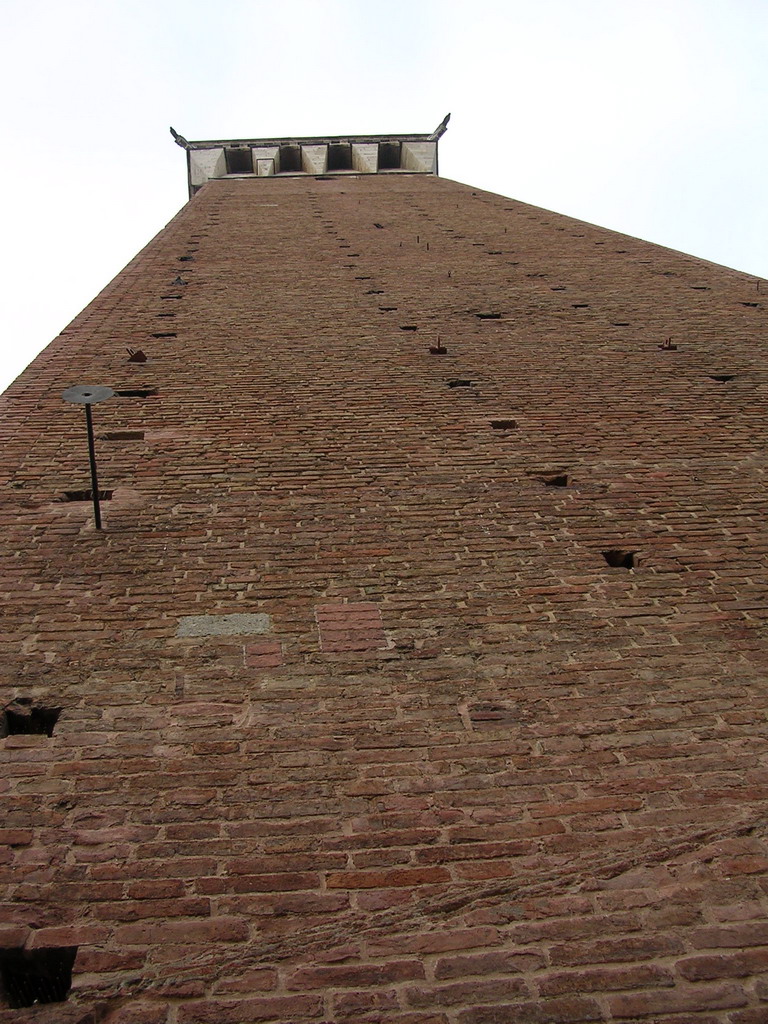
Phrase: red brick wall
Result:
[469,774]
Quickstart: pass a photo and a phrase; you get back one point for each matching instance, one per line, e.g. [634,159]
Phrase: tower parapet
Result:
[336,155]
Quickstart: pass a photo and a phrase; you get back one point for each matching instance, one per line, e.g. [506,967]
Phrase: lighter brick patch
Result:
[350,627]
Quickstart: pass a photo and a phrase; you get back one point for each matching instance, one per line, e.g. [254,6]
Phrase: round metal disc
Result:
[87,394]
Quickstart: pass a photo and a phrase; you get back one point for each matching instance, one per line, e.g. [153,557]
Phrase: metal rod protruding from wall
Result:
[88,395]
[92,460]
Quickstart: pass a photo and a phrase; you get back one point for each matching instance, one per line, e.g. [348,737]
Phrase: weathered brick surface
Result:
[472,773]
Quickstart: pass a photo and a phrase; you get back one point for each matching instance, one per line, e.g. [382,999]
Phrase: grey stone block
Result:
[224,625]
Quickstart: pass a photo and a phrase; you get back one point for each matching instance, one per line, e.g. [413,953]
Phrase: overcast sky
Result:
[647,117]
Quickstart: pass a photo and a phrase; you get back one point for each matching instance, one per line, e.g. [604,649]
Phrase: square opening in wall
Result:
[239,160]
[487,713]
[290,159]
[551,476]
[28,721]
[340,156]
[86,495]
[554,479]
[31,976]
[618,559]
[389,157]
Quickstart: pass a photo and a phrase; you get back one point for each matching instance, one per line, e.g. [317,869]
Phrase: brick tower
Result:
[417,674]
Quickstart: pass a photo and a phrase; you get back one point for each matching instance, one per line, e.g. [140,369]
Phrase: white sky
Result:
[641,115]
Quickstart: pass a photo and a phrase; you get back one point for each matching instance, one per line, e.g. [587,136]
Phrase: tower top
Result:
[316,156]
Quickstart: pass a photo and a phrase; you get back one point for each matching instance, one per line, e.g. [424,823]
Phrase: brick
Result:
[13,935]
[181,989]
[488,963]
[230,1011]
[385,879]
[353,1004]
[93,961]
[68,935]
[465,992]
[434,942]
[257,980]
[646,947]
[153,889]
[354,975]
[264,655]
[575,928]
[136,910]
[217,929]
[281,882]
[736,965]
[291,903]
[605,979]
[702,997]
[142,1013]
[291,863]
[751,934]
[737,911]
[15,836]
[545,1011]
[416,1017]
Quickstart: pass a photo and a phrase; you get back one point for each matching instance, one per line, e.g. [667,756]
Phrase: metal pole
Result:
[92,458]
